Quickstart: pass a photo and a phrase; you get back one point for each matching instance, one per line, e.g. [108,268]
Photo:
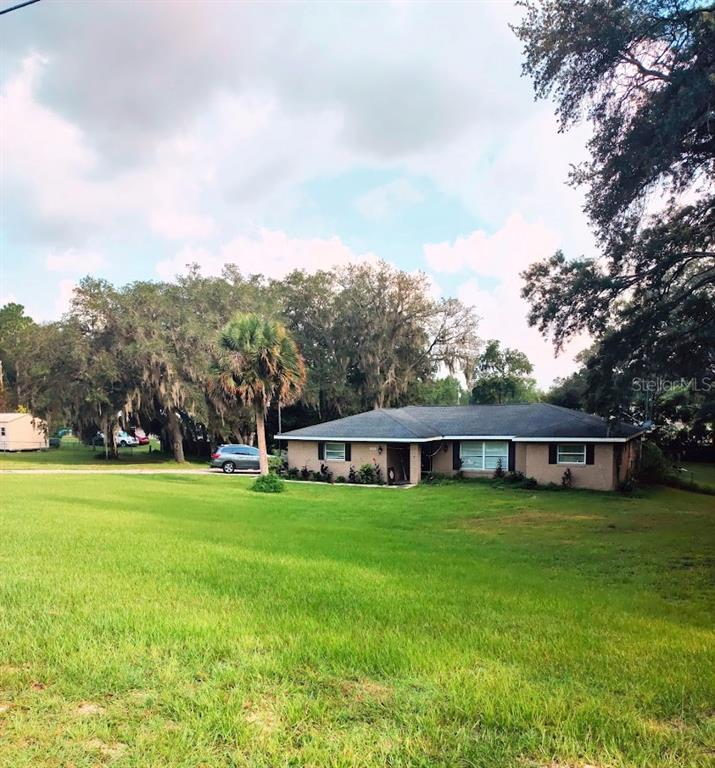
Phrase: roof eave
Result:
[531,439]
[382,439]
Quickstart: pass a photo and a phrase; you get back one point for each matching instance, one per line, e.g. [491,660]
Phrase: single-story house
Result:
[22,432]
[540,440]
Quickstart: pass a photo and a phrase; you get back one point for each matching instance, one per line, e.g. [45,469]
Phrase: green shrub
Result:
[276,463]
[499,471]
[653,466]
[269,483]
[627,487]
[567,479]
[340,479]
[293,473]
[378,475]
[366,474]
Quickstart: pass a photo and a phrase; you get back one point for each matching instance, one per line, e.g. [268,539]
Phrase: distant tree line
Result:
[163,356]
[148,353]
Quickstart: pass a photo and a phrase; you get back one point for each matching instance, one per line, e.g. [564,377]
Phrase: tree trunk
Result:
[261,434]
[177,438]
[105,433]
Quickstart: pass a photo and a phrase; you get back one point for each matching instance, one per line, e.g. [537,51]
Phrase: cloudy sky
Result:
[136,137]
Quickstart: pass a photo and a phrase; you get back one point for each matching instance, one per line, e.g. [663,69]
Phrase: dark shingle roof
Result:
[427,422]
[381,424]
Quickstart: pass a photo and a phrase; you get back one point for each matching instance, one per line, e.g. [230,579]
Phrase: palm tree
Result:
[258,361]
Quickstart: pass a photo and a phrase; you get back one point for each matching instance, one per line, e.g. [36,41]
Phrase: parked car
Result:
[97,440]
[124,439]
[230,458]
[140,435]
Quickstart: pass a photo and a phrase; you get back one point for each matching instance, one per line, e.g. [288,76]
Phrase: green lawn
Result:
[182,620]
[74,455]
[699,472]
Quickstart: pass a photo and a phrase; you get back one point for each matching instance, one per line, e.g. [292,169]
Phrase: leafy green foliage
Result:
[276,463]
[14,324]
[151,350]
[653,466]
[371,333]
[502,376]
[269,483]
[642,72]
[443,391]
[257,361]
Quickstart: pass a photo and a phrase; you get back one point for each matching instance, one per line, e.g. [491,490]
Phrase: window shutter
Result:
[321,451]
[456,460]
[512,456]
[590,453]
[552,453]
[348,452]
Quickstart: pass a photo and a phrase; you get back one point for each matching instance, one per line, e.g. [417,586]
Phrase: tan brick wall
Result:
[530,458]
[415,463]
[520,457]
[303,453]
[533,460]
[442,460]
[600,475]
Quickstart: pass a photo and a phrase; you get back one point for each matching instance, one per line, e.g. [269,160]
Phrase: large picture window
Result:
[484,454]
[571,453]
[335,451]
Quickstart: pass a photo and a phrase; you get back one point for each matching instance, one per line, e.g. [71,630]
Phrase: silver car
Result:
[232,458]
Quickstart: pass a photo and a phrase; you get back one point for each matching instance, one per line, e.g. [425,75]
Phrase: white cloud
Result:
[503,317]
[64,297]
[204,137]
[181,226]
[271,253]
[387,198]
[502,254]
[480,259]
[74,261]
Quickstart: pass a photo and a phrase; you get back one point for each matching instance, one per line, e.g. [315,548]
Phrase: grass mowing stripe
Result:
[156,620]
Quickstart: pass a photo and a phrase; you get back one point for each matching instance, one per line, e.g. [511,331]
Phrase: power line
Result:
[19,5]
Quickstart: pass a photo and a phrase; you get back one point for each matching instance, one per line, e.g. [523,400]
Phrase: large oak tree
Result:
[642,72]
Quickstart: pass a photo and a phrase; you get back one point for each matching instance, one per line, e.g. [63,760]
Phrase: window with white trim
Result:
[484,454]
[571,453]
[335,451]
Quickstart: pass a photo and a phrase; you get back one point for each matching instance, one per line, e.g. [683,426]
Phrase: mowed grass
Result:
[182,620]
[72,454]
[699,472]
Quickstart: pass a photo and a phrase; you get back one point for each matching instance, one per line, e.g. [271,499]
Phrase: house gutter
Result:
[544,439]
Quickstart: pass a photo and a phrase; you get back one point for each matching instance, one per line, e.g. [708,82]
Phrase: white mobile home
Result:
[22,432]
